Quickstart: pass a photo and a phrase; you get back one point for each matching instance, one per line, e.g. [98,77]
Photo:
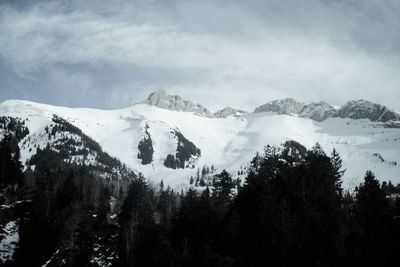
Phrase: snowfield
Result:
[229,142]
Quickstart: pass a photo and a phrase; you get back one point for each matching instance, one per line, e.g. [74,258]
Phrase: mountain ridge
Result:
[319,111]
[225,142]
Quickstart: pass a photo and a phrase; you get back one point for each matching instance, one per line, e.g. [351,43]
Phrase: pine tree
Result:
[104,204]
[202,183]
[203,172]
[370,199]
[206,193]
[223,185]
[146,148]
[371,209]
[135,219]
[338,172]
[317,150]
[170,162]
[269,151]
[10,165]
[161,185]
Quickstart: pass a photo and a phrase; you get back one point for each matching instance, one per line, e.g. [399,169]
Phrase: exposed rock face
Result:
[283,106]
[318,111]
[228,111]
[363,109]
[174,102]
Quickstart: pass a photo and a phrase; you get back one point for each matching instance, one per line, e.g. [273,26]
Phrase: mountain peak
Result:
[156,97]
[282,106]
[161,99]
[318,111]
[228,111]
[364,109]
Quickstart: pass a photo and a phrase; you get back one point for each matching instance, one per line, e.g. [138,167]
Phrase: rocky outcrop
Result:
[363,109]
[286,106]
[318,111]
[228,111]
[175,102]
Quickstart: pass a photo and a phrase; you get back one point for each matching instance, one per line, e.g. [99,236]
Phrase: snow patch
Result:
[9,240]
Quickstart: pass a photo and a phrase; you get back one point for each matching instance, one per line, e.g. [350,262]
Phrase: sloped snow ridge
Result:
[144,135]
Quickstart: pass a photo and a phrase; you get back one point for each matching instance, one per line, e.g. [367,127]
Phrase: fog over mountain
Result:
[242,53]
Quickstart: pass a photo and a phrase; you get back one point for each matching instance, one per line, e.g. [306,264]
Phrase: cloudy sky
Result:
[110,54]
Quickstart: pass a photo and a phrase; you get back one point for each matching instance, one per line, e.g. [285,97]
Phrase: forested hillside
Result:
[290,210]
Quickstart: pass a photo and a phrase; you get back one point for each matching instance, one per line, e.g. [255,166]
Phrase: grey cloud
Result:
[241,53]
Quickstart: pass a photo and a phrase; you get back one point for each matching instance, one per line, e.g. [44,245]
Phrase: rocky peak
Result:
[161,99]
[283,106]
[228,111]
[363,109]
[319,111]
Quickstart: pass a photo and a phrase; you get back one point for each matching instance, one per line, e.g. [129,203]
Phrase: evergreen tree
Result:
[194,225]
[136,221]
[170,162]
[203,172]
[10,165]
[104,204]
[146,148]
[166,205]
[337,169]
[161,185]
[206,193]
[317,150]
[371,209]
[223,185]
[370,200]
[81,252]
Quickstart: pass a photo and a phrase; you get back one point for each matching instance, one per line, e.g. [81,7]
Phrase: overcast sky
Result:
[110,54]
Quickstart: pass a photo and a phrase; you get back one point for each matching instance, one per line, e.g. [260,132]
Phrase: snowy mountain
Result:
[318,111]
[286,106]
[65,142]
[169,138]
[175,102]
[228,111]
[362,109]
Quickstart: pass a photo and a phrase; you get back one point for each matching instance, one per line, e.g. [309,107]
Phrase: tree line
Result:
[290,210]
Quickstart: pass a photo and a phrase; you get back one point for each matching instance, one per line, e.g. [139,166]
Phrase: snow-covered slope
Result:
[229,142]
